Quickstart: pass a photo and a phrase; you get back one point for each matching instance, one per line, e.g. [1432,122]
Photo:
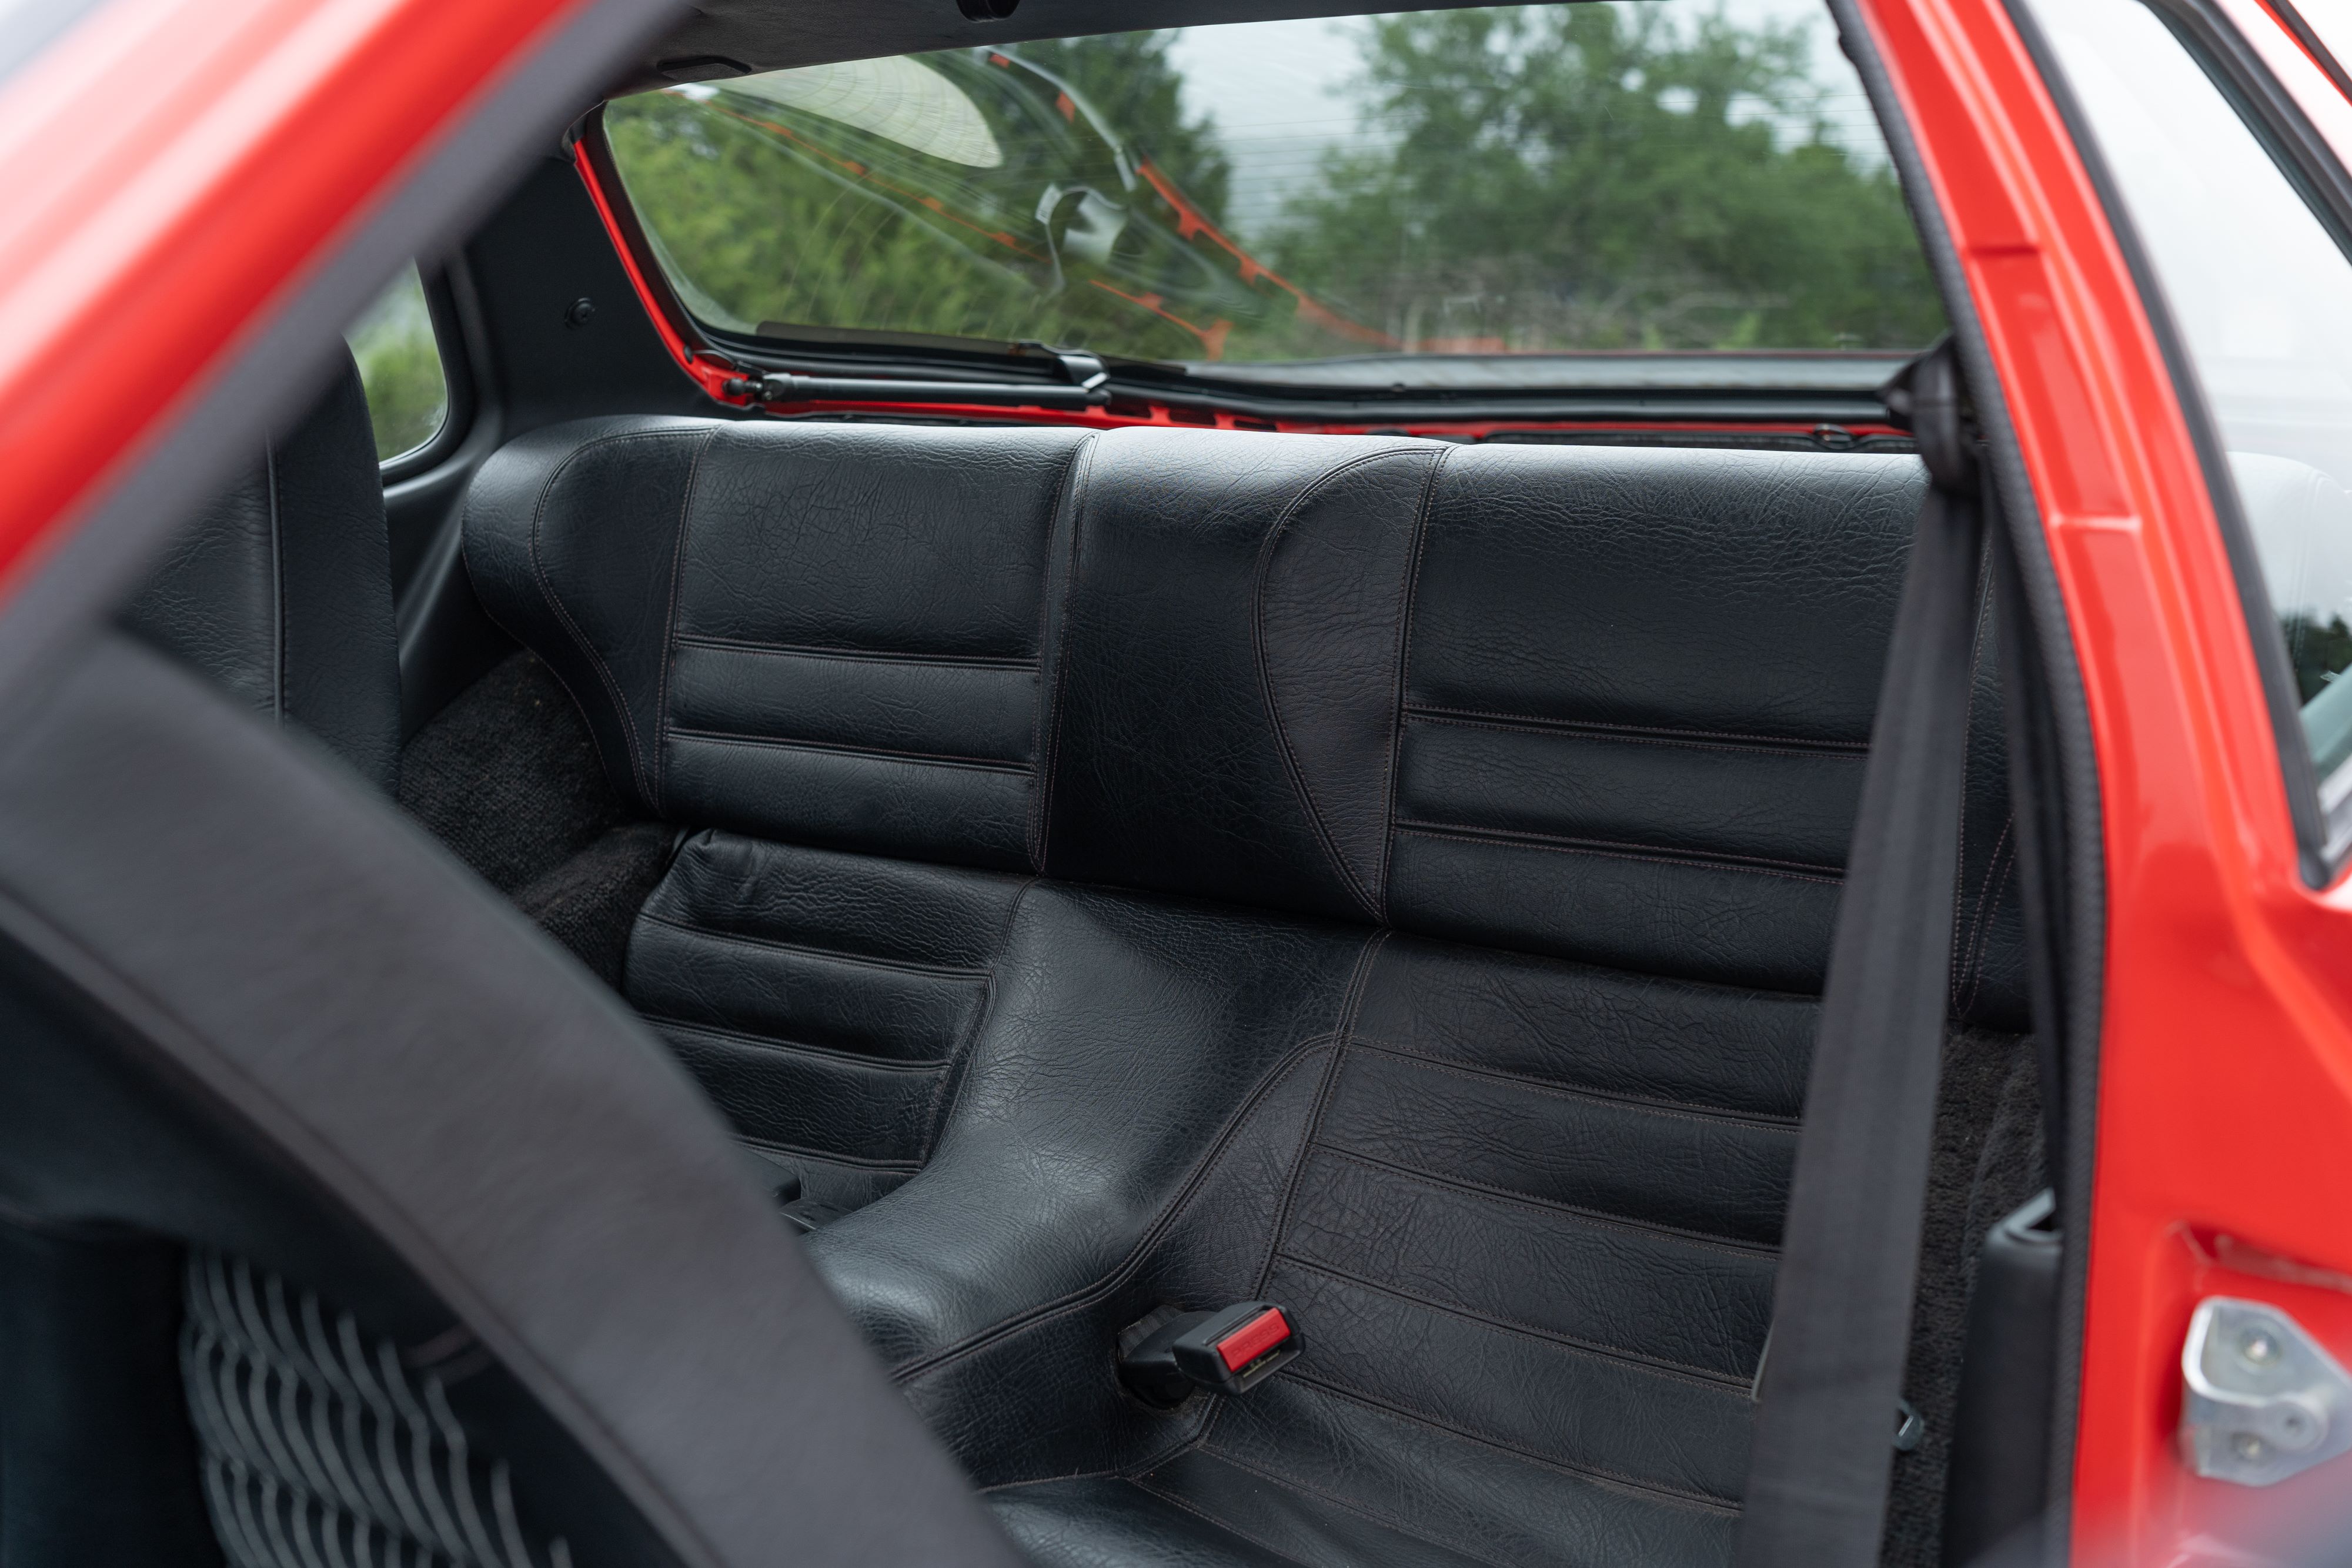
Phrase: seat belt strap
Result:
[1823,1446]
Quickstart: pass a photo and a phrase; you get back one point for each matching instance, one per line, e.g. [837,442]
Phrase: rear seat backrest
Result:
[1622,693]
[1608,705]
[1638,700]
[825,634]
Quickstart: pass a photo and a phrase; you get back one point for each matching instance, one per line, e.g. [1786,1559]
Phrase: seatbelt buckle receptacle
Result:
[1232,1350]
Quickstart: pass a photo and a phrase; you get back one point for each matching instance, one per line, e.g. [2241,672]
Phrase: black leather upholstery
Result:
[1181,867]
[832,638]
[281,590]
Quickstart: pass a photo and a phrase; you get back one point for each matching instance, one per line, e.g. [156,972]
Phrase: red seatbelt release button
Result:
[1241,1347]
[1168,1354]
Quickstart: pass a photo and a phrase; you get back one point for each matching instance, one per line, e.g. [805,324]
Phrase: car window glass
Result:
[1505,183]
[2262,294]
[400,365]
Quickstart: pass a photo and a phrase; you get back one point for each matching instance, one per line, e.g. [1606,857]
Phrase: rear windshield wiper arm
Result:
[1089,386]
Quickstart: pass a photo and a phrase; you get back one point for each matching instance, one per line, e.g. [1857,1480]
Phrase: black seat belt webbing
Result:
[1823,1448]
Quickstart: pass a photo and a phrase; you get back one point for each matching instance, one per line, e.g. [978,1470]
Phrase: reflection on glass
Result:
[1658,175]
[2263,295]
[400,365]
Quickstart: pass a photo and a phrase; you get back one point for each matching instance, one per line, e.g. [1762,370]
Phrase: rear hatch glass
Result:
[1475,198]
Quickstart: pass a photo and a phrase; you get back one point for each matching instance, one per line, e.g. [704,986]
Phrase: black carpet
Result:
[1988,1160]
[507,777]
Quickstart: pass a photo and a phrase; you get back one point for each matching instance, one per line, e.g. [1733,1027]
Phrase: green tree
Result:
[759,233]
[1543,178]
[1598,177]
[400,366]
[1128,80]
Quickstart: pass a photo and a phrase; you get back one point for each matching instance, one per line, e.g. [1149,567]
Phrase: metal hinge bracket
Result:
[2264,1400]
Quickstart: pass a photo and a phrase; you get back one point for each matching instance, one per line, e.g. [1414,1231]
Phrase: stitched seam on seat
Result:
[1659,1366]
[1288,753]
[950,1087]
[669,623]
[899,1065]
[1958,962]
[830,1156]
[1303,1489]
[1419,551]
[936,971]
[1597,732]
[1507,838]
[277,584]
[1642,731]
[1536,838]
[1700,1107]
[1049,754]
[1350,1001]
[1119,1273]
[1552,1207]
[1105,1475]
[1660,1490]
[849,655]
[923,759]
[1703,1114]
[1502,839]
[1172,1500]
[2004,860]
[555,600]
[750,1115]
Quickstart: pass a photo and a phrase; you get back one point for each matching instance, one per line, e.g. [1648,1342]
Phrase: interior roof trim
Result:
[740,37]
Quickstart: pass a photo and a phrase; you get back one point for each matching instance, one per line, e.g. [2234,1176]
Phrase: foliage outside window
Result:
[400,366]
[1651,176]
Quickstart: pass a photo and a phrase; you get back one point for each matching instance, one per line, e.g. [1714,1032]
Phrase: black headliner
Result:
[731,38]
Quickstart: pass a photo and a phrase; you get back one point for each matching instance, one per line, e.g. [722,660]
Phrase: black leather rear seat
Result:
[1388,878]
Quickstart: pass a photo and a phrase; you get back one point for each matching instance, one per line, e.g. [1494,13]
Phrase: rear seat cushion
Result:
[822,999]
[1408,899]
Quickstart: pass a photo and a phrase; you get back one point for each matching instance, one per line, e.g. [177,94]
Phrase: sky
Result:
[1277,91]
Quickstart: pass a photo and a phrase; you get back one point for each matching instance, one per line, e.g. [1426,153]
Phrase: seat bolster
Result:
[594,597]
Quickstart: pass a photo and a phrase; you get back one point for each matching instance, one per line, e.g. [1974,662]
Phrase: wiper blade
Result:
[1088,387]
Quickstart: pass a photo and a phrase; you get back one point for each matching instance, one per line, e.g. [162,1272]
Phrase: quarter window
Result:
[400,366]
